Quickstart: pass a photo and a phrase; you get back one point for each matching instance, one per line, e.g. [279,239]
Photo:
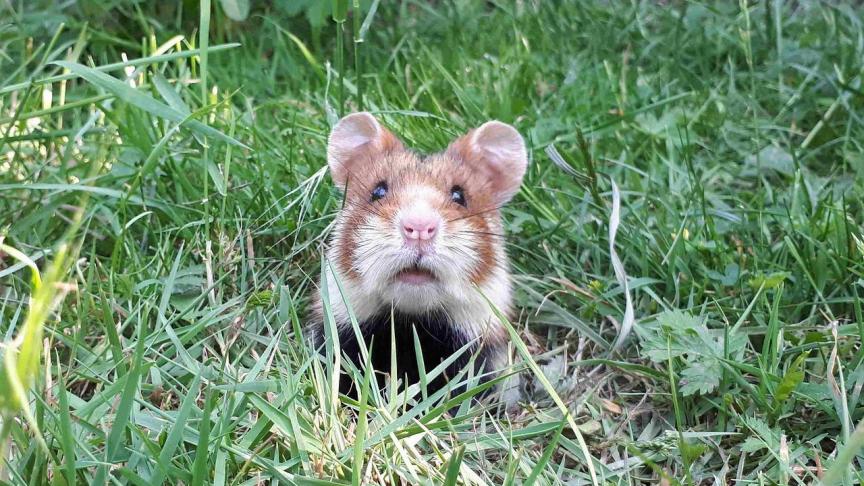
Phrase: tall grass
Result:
[165,165]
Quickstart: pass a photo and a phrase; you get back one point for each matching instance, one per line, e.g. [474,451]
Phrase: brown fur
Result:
[400,168]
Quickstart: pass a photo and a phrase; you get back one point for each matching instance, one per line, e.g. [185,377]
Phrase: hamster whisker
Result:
[372,208]
[477,232]
[478,213]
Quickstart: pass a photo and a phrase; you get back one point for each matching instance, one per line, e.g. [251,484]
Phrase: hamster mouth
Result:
[415,275]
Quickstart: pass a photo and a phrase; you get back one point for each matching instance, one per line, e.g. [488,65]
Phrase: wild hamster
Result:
[419,242]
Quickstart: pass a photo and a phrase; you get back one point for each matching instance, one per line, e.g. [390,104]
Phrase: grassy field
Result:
[163,167]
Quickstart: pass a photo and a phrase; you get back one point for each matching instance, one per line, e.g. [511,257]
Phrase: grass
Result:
[191,149]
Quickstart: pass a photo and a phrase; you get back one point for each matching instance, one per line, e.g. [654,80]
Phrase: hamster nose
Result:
[419,228]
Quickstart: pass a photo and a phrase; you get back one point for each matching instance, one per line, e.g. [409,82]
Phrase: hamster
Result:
[419,242]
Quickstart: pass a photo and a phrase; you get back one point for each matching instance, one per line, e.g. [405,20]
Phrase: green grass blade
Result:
[541,377]
[452,473]
[143,101]
[113,443]
[362,425]
[176,433]
[546,456]
[846,457]
[158,59]
[66,437]
[200,471]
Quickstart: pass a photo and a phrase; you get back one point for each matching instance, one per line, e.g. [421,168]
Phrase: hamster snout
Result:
[419,226]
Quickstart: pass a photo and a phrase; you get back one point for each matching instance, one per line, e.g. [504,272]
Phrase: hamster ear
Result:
[357,140]
[498,151]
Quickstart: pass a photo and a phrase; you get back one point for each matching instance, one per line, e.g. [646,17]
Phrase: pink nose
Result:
[417,228]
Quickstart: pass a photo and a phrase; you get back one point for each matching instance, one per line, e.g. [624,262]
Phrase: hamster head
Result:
[420,232]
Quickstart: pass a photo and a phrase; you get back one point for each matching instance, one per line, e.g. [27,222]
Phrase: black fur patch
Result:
[439,339]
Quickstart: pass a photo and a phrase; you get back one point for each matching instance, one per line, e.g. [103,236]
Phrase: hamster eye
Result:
[457,195]
[379,191]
